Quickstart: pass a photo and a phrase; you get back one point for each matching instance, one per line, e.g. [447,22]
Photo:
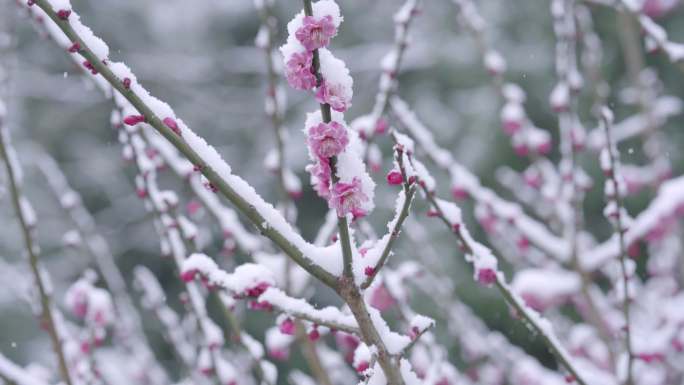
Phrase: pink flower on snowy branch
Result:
[335,95]
[316,33]
[298,71]
[347,198]
[321,176]
[327,139]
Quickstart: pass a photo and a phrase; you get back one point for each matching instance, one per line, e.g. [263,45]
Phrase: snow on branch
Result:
[466,183]
[14,374]
[330,316]
[651,223]
[150,110]
[486,272]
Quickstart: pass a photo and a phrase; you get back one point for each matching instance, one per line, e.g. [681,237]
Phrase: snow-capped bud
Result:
[544,148]
[361,366]
[394,178]
[257,290]
[132,120]
[512,117]
[532,178]
[314,334]
[523,244]
[494,63]
[279,354]
[188,276]
[560,97]
[521,149]
[381,126]
[287,327]
[659,8]
[459,192]
[486,276]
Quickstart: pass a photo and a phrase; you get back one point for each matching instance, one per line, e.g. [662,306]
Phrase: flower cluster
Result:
[352,192]
[337,173]
[308,36]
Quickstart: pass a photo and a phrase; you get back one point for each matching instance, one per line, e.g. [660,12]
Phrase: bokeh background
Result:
[200,57]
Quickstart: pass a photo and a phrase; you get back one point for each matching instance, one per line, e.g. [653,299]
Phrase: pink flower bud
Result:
[287,327]
[369,271]
[521,149]
[394,178]
[64,13]
[127,83]
[188,276]
[362,366]
[280,354]
[74,47]
[257,290]
[523,244]
[510,127]
[381,126]
[132,120]
[314,335]
[171,123]
[260,305]
[486,276]
[544,148]
[88,65]
[459,193]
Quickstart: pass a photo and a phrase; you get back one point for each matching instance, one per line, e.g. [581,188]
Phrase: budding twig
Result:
[611,149]
[27,223]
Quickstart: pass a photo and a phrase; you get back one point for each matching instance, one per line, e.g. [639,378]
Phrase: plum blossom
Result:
[298,71]
[327,139]
[320,177]
[347,198]
[316,33]
[335,95]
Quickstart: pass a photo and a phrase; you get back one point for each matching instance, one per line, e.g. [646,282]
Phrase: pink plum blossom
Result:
[347,198]
[322,174]
[298,71]
[327,139]
[333,94]
[316,33]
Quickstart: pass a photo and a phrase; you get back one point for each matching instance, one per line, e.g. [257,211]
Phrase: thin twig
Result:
[22,208]
[606,119]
